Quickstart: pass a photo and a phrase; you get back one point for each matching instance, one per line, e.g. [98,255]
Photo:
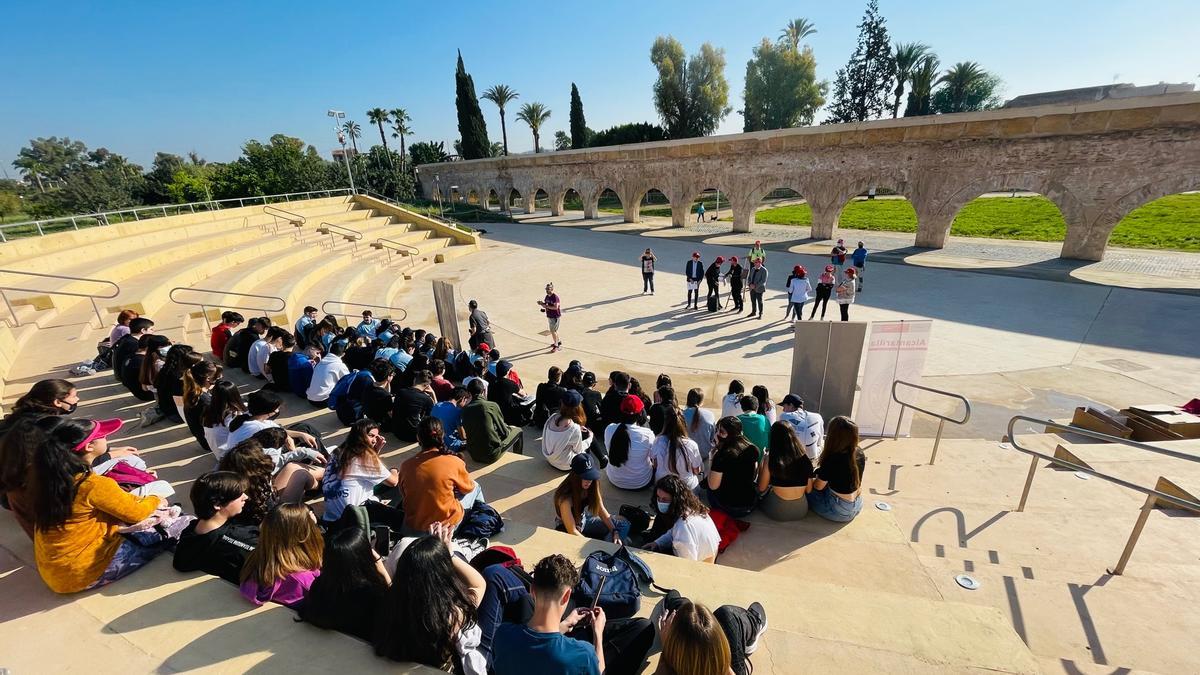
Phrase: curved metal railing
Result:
[90,296]
[942,419]
[294,219]
[205,305]
[390,245]
[324,309]
[334,230]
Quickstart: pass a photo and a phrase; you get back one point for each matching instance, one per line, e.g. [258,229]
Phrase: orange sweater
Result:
[72,557]
[428,482]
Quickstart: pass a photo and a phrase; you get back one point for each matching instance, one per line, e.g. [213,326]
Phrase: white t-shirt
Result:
[256,361]
[636,473]
[357,487]
[695,537]
[731,405]
[703,435]
[687,461]
[799,290]
[325,377]
[561,445]
[218,437]
[809,428]
[248,429]
[467,381]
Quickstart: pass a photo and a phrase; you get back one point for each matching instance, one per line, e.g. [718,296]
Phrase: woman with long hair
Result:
[157,348]
[353,581]
[732,486]
[701,427]
[198,381]
[629,446]
[168,385]
[635,389]
[566,434]
[226,404]
[354,473]
[287,560]
[692,534]
[77,513]
[766,407]
[130,373]
[19,440]
[579,508]
[837,489]
[432,617]
[731,402]
[665,403]
[248,460]
[785,476]
[674,453]
[696,641]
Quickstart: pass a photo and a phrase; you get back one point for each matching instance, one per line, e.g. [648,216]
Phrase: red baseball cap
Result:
[695,254]
[720,260]
[632,405]
[100,429]
[733,258]
[485,347]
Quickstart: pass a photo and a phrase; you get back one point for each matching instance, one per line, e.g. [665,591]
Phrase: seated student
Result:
[755,426]
[217,543]
[377,400]
[665,404]
[488,435]
[121,328]
[515,404]
[285,454]
[674,454]
[198,382]
[354,473]
[547,396]
[128,344]
[449,412]
[249,462]
[785,476]
[583,642]
[287,560]
[442,387]
[731,403]
[325,376]
[579,508]
[237,350]
[369,325]
[359,353]
[131,373]
[695,640]
[610,405]
[807,425]
[766,407]
[435,484]
[300,369]
[305,324]
[731,485]
[168,385]
[226,403]
[89,438]
[692,534]
[19,441]
[837,489]
[478,372]
[565,434]
[431,618]
[700,424]
[150,365]
[403,354]
[262,407]
[629,447]
[221,334]
[261,350]
[276,368]
[353,580]
[77,514]
[412,405]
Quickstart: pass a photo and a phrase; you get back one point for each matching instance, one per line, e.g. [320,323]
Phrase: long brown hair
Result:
[289,541]
[684,502]
[571,490]
[202,374]
[358,446]
[675,432]
[574,413]
[841,445]
[694,644]
[695,397]
[248,460]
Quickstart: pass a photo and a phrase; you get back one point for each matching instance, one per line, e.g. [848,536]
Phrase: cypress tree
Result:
[861,90]
[471,127]
[579,131]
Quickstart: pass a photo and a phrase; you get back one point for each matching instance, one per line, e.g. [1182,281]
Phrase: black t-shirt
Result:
[411,406]
[350,611]
[377,403]
[221,552]
[358,358]
[549,396]
[795,474]
[837,472]
[193,415]
[167,388]
[129,377]
[238,348]
[277,362]
[124,349]
[501,392]
[648,264]
[591,407]
[738,474]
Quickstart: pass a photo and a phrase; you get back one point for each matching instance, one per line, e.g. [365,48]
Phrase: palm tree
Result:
[353,131]
[795,31]
[534,114]
[959,82]
[380,117]
[907,55]
[501,95]
[400,128]
[922,79]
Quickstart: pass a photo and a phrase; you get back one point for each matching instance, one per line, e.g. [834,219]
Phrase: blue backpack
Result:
[349,405]
[621,596]
[481,522]
[342,388]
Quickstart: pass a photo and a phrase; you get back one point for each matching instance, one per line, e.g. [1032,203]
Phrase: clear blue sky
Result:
[137,77]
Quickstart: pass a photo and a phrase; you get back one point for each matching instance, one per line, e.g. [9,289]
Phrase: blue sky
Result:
[137,77]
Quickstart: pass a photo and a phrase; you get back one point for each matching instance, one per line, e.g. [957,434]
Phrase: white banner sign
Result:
[895,351]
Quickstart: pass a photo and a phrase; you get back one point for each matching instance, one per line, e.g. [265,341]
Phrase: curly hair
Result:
[248,460]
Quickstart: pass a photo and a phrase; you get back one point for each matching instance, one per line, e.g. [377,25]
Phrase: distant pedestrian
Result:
[837,257]
[799,292]
[825,284]
[700,213]
[479,326]
[756,281]
[694,271]
[552,306]
[648,260]
[845,293]
[859,258]
[736,278]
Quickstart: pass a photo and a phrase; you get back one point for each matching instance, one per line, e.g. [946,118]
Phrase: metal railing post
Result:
[204,313]
[96,308]
[899,422]
[73,223]
[1143,515]
[937,440]
[11,312]
[1028,484]
[39,227]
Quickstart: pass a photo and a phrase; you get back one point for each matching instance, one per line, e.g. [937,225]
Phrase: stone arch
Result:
[935,218]
[828,197]
[510,201]
[490,194]
[631,199]
[1089,242]
[473,194]
[745,209]
[591,202]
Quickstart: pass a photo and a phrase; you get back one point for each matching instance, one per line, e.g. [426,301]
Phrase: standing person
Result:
[808,426]
[757,253]
[825,284]
[648,260]
[736,277]
[799,292]
[694,272]
[712,277]
[837,257]
[845,293]
[756,281]
[480,327]
[836,492]
[859,258]
[552,306]
[700,213]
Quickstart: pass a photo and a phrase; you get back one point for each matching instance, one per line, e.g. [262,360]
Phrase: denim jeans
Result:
[505,599]
[594,528]
[832,507]
[135,551]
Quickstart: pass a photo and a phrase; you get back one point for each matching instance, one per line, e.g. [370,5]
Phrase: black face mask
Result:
[68,411]
[274,415]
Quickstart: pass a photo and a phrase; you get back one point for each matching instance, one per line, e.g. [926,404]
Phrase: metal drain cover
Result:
[1082,476]
[967,582]
[883,506]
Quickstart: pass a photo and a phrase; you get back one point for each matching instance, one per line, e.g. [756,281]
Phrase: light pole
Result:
[338,115]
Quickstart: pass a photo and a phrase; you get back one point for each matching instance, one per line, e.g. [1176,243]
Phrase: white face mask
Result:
[162,351]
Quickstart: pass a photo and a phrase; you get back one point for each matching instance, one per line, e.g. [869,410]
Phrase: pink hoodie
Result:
[288,591]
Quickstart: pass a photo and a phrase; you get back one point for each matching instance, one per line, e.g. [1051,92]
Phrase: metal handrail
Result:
[402,311]
[942,419]
[102,217]
[351,234]
[392,245]
[1153,496]
[294,219]
[91,296]
[204,305]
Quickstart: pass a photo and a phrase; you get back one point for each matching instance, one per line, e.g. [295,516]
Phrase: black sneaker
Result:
[758,612]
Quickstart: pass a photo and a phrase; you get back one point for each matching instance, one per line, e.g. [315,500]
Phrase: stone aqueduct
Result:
[1096,162]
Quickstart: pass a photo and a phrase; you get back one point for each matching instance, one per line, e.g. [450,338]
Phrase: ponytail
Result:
[618,448]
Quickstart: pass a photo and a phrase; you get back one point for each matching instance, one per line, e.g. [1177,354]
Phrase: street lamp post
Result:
[338,115]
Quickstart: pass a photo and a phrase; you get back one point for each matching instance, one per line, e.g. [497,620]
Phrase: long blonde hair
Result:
[288,542]
[694,644]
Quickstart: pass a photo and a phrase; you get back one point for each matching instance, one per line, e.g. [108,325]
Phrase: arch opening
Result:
[1170,222]
[514,199]
[492,197]
[473,198]
[572,200]
[655,204]
[780,205]
[716,206]
[1011,213]
[880,209]
[610,202]
[541,199]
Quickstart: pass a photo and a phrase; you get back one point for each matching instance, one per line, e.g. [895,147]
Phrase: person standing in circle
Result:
[825,284]
[756,281]
[700,213]
[757,253]
[736,278]
[799,292]
[837,257]
[694,271]
[712,276]
[479,326]
[859,258]
[845,293]
[552,306]
[648,260]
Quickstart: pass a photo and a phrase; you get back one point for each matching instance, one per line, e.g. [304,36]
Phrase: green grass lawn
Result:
[1170,223]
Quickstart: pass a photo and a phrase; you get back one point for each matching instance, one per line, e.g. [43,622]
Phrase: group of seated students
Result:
[96,513]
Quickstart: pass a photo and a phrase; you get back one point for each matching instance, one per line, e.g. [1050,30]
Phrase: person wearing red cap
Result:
[736,277]
[825,284]
[757,253]
[630,446]
[694,271]
[712,277]
[799,292]
[756,282]
[845,292]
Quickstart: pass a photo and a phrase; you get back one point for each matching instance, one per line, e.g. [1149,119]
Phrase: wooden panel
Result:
[443,301]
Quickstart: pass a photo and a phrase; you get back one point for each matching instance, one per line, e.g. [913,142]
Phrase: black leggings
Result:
[647,282]
[714,292]
[823,293]
[845,311]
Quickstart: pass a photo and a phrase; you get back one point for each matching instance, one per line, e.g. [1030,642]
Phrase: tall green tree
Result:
[908,56]
[691,95]
[781,87]
[579,130]
[379,117]
[10,204]
[400,128]
[795,31]
[861,89]
[534,114]
[427,152]
[46,162]
[501,95]
[966,87]
[159,178]
[376,169]
[471,127]
[282,164]
[923,78]
[353,130]
[561,140]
